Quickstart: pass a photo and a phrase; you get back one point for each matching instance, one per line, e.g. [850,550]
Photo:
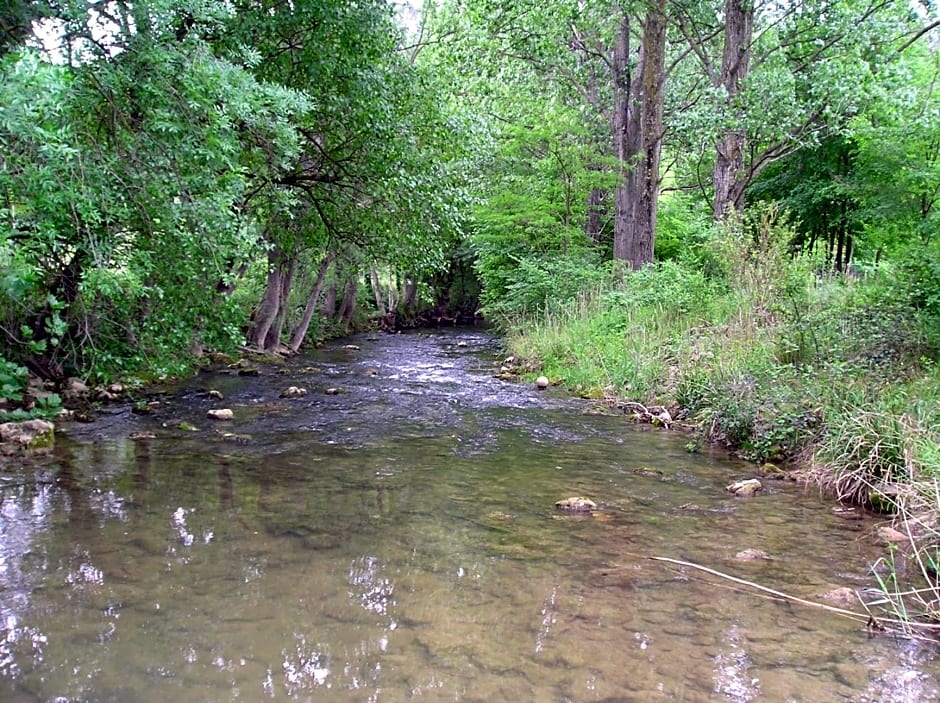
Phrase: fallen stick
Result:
[779,594]
[871,623]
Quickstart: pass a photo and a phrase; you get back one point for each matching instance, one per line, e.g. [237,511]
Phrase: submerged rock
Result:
[142,436]
[843,594]
[576,504]
[181,425]
[751,555]
[888,536]
[747,487]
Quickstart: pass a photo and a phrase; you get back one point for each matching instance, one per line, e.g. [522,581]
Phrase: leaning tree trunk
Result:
[730,178]
[298,337]
[638,134]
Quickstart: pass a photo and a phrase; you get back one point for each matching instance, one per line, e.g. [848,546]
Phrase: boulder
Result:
[542,382]
[294,392]
[220,414]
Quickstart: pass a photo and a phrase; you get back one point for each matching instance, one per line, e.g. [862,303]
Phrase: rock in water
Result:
[748,487]
[576,504]
[220,414]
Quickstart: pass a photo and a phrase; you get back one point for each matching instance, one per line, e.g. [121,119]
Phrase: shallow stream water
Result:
[397,541]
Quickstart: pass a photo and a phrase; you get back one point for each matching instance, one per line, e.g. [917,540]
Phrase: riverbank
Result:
[832,379]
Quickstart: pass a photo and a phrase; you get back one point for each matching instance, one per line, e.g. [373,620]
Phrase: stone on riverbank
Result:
[26,437]
[541,382]
[888,536]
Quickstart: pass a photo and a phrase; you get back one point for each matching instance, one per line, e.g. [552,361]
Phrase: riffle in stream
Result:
[398,541]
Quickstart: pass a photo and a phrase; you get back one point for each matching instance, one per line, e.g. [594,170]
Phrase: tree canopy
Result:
[273,157]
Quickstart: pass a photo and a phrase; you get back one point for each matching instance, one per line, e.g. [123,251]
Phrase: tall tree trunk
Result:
[297,338]
[596,211]
[729,178]
[266,313]
[348,306]
[272,340]
[638,134]
[329,300]
[377,290]
[409,295]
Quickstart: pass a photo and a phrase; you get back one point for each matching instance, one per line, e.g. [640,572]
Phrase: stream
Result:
[398,541]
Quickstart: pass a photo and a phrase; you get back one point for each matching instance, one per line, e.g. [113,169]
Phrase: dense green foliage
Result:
[160,157]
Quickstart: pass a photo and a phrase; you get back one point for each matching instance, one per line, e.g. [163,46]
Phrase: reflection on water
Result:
[398,541]
[733,679]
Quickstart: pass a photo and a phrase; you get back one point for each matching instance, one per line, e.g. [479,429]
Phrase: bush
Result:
[540,284]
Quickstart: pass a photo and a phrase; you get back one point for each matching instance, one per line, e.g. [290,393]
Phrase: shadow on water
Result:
[397,540]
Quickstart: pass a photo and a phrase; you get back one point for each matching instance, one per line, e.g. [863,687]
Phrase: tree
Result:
[639,96]
[374,180]
[582,56]
[124,181]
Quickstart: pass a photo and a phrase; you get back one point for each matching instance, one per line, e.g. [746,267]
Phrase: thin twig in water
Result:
[871,623]
[779,594]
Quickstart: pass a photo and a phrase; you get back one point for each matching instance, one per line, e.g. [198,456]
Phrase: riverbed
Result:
[391,535]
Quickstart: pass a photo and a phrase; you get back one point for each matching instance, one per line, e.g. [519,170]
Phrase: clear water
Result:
[398,541]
